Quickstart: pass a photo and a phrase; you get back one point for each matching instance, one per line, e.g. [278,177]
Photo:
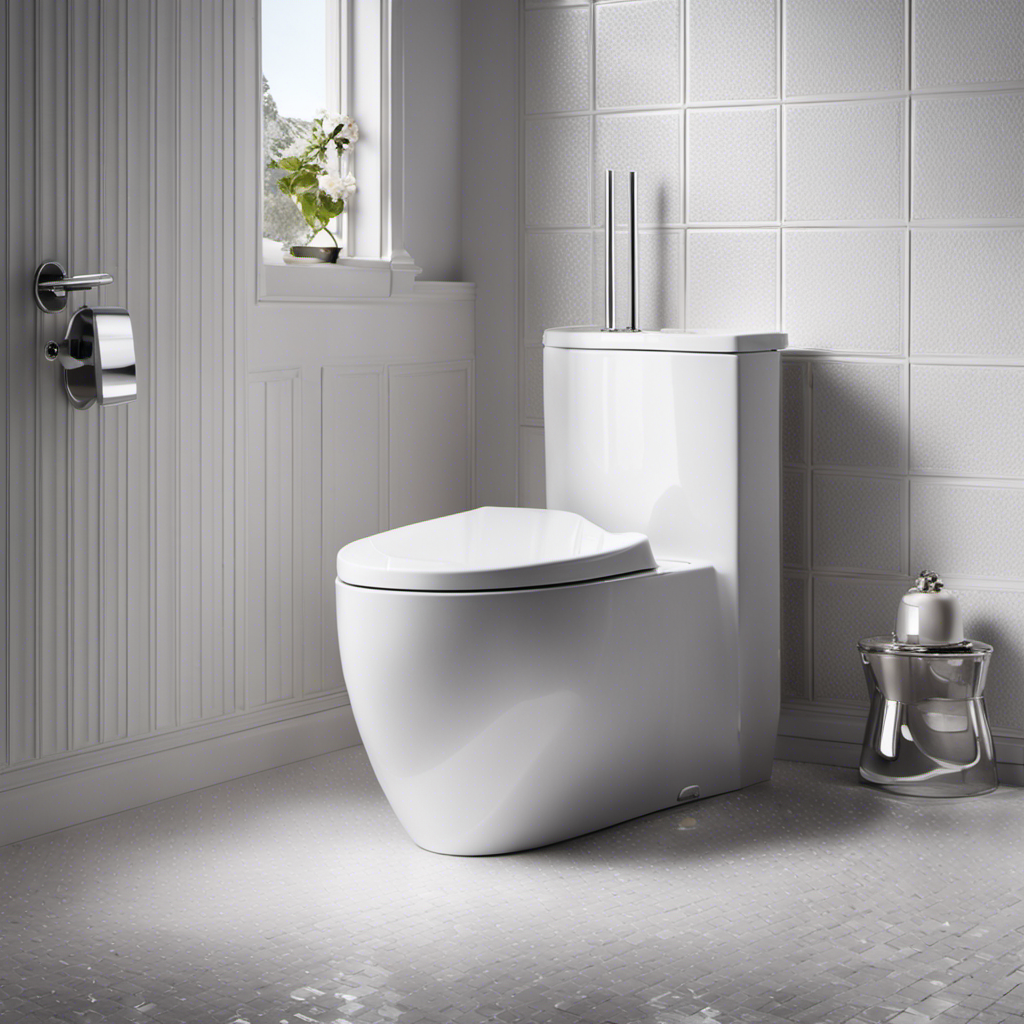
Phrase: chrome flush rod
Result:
[609,255]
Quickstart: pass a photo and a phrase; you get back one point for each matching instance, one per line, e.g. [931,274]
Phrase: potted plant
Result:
[318,181]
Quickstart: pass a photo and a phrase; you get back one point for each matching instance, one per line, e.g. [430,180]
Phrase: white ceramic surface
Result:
[504,720]
[492,549]
[683,446]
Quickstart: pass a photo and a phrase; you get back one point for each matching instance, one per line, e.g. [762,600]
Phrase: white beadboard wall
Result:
[168,564]
[851,173]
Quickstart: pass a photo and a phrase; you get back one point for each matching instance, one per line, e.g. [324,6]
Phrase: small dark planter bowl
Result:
[322,253]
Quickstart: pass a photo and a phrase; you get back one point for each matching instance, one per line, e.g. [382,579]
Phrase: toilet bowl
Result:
[521,676]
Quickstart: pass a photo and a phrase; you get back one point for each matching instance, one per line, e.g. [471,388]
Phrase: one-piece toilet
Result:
[522,676]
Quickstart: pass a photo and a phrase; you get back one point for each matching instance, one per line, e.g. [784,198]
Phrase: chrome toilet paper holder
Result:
[97,354]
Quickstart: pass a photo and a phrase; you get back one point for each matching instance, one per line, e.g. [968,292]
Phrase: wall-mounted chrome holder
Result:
[609,255]
[97,354]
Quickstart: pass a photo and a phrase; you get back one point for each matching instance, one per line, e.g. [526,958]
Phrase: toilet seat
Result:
[493,549]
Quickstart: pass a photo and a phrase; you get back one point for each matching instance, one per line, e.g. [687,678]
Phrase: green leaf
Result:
[289,163]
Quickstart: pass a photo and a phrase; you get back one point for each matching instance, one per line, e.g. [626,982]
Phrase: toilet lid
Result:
[493,549]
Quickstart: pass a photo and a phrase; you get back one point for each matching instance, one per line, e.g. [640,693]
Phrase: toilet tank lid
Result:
[669,339]
[493,549]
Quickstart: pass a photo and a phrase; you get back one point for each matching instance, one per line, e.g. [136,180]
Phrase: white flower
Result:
[336,186]
[297,148]
[349,130]
[329,121]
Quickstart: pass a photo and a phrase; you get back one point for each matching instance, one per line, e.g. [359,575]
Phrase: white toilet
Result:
[522,676]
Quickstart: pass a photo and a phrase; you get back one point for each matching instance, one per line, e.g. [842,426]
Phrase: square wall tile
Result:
[845,610]
[968,157]
[731,50]
[557,281]
[731,164]
[557,60]
[856,414]
[844,289]
[967,530]
[968,41]
[557,171]
[732,279]
[794,518]
[638,49]
[793,399]
[834,48]
[844,161]
[650,145]
[967,420]
[661,279]
[966,297]
[795,678]
[532,491]
[532,384]
[859,523]
[996,617]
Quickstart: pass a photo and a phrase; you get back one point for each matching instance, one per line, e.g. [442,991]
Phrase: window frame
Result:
[372,90]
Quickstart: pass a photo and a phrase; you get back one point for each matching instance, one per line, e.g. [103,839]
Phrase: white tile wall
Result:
[875,212]
[859,523]
[844,289]
[997,617]
[660,282]
[795,626]
[557,178]
[968,157]
[966,297]
[733,50]
[844,161]
[963,41]
[557,74]
[794,518]
[732,279]
[967,530]
[835,48]
[731,158]
[650,145]
[793,400]
[557,281]
[531,468]
[856,417]
[626,78]
[967,420]
[846,609]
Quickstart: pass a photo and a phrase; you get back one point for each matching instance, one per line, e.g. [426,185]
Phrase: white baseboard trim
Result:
[834,736]
[95,792]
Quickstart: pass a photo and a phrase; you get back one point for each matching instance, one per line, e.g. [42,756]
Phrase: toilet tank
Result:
[675,434]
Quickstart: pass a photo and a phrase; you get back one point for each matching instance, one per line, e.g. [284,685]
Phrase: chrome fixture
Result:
[97,354]
[52,284]
[609,255]
[927,731]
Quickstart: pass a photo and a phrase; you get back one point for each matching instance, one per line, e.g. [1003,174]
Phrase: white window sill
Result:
[351,279]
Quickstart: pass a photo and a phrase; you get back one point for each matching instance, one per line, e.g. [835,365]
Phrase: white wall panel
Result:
[836,48]
[355,483]
[532,488]
[968,157]
[621,80]
[732,50]
[843,289]
[965,294]
[732,280]
[966,420]
[430,423]
[660,281]
[557,56]
[557,172]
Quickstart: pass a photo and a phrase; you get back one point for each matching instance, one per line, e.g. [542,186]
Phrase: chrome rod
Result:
[609,252]
[634,290]
[78,283]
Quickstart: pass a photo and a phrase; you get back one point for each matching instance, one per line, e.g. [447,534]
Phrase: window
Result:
[342,55]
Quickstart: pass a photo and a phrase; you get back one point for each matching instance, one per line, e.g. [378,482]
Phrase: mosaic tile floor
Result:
[294,895]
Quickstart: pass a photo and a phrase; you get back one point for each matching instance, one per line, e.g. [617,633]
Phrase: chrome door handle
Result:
[52,284]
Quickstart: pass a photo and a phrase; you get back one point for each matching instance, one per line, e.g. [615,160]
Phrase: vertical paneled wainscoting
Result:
[166,564]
